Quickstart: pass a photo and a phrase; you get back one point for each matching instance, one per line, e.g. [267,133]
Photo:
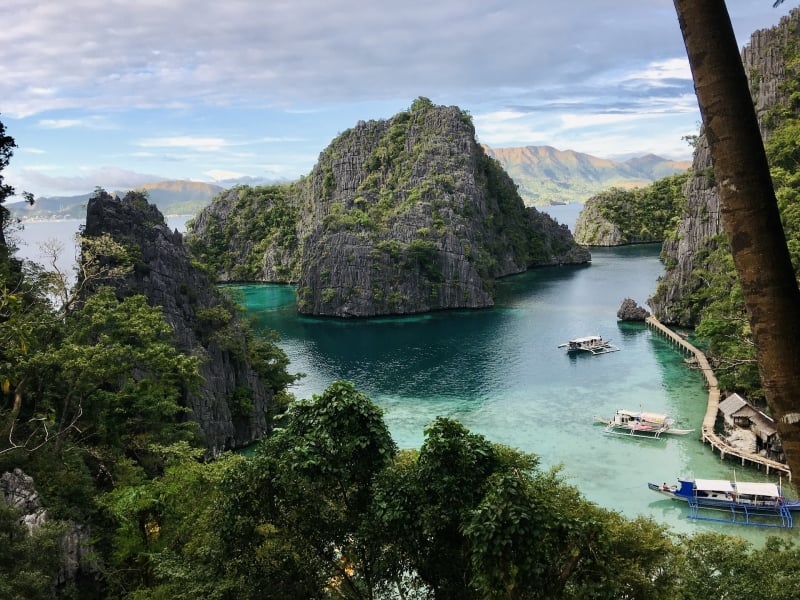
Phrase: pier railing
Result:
[712,408]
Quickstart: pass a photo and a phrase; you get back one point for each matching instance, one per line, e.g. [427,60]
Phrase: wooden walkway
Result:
[710,418]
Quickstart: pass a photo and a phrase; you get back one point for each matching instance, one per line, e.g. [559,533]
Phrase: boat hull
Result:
[645,432]
[729,507]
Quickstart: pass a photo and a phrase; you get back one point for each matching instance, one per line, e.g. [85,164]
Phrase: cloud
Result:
[195,80]
[297,53]
[108,178]
[221,175]
[95,122]
[185,141]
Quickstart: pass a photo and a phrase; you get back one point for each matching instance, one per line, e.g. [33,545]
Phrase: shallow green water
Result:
[500,373]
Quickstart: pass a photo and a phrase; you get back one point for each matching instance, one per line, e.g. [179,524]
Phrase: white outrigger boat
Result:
[641,424]
[593,344]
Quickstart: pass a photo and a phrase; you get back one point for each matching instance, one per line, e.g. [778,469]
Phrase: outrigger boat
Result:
[744,503]
[593,344]
[641,424]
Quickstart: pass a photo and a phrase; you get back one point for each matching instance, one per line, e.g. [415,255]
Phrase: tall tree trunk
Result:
[749,209]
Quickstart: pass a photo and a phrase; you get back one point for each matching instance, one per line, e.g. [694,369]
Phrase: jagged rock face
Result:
[697,230]
[401,216]
[18,490]
[593,229]
[764,65]
[164,274]
[441,220]
[631,311]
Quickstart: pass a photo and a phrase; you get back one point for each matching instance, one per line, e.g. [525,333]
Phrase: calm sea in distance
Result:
[500,373]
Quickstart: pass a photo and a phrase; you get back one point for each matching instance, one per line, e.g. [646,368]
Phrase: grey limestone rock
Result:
[631,311]
[165,274]
[401,216]
[700,223]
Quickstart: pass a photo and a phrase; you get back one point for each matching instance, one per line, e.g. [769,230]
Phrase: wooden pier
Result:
[708,435]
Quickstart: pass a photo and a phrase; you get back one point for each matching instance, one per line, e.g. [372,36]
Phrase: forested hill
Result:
[545,175]
[617,217]
[399,216]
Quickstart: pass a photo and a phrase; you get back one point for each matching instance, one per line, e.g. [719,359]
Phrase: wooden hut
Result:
[738,415]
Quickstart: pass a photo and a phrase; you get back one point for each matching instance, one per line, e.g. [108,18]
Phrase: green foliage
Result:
[326,507]
[713,562]
[423,254]
[28,561]
[645,214]
[164,541]
[294,522]
[7,145]
[261,219]
[269,361]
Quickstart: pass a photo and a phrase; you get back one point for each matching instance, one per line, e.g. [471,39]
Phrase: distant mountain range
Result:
[177,197]
[543,174]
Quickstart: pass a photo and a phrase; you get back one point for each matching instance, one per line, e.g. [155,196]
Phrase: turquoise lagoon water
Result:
[499,372]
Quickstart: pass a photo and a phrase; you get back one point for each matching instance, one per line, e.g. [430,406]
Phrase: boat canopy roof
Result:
[758,489]
[713,485]
[652,417]
[588,338]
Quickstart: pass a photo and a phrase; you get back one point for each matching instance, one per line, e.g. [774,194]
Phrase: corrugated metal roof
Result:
[731,404]
[757,489]
[715,485]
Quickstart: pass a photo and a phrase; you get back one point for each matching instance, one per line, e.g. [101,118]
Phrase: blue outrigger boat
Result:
[743,503]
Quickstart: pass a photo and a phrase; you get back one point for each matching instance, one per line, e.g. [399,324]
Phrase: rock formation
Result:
[631,311]
[18,490]
[700,224]
[398,216]
[592,228]
[165,274]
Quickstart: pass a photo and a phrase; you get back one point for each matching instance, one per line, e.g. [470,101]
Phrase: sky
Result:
[116,93]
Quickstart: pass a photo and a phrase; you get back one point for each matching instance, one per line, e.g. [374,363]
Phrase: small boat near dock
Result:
[740,502]
[592,344]
[641,424]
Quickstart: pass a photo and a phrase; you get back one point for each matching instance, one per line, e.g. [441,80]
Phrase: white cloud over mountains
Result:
[198,78]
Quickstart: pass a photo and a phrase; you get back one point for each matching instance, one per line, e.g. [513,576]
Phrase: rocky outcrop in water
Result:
[700,226]
[201,317]
[631,311]
[398,216]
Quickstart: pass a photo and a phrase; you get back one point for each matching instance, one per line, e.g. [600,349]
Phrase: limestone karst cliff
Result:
[202,319]
[398,216]
[699,231]
[617,216]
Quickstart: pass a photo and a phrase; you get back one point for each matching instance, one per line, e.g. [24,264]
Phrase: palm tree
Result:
[748,208]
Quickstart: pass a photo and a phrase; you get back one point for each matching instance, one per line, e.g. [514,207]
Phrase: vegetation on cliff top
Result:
[618,216]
